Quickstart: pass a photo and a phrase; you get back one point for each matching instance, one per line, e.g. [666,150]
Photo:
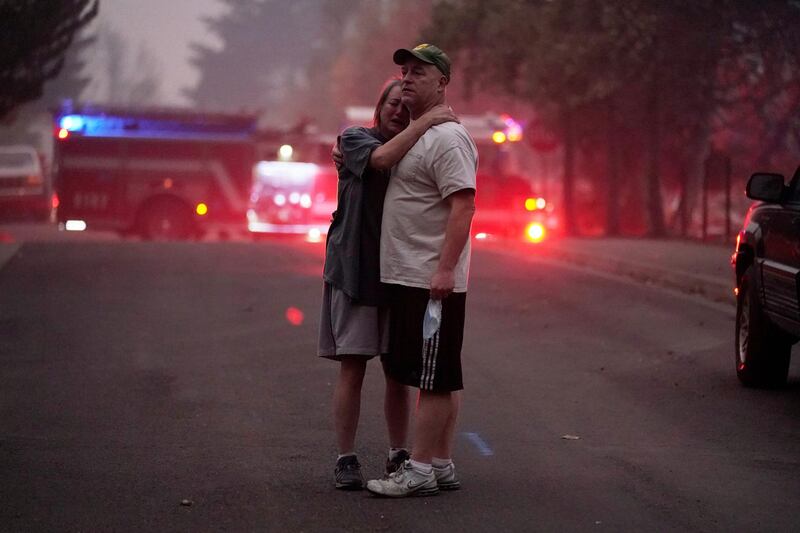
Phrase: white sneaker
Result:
[446,477]
[404,482]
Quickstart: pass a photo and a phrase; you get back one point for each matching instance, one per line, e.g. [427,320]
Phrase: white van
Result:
[24,191]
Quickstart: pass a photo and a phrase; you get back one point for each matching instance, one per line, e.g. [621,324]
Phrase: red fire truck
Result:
[161,174]
[507,204]
[294,186]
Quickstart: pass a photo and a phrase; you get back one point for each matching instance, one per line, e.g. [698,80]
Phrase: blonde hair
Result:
[387,88]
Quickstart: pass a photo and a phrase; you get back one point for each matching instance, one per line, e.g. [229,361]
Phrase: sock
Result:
[345,455]
[425,468]
[438,462]
[393,452]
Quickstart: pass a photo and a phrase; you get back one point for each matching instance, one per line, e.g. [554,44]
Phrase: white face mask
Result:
[433,317]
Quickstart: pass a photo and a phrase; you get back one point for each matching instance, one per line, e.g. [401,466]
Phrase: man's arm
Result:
[388,154]
[462,207]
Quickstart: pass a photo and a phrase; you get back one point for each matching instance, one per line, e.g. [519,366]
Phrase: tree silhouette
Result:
[656,82]
[34,38]
[71,83]
[265,52]
[128,77]
[305,61]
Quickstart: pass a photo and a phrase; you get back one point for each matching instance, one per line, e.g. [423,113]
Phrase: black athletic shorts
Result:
[433,364]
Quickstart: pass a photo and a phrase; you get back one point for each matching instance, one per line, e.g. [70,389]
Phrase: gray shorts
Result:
[346,328]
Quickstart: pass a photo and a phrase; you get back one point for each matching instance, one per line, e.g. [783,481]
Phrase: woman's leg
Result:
[396,410]
[347,402]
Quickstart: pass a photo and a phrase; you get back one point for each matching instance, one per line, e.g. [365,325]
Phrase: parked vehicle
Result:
[158,173]
[25,190]
[767,266]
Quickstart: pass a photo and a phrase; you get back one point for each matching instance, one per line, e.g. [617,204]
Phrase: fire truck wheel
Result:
[166,220]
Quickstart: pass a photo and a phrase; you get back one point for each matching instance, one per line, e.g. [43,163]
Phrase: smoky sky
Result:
[166,29]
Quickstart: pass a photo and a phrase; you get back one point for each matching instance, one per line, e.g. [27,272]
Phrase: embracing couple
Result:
[397,259]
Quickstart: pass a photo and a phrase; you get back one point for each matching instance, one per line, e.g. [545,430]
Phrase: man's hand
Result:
[438,114]
[442,284]
[336,155]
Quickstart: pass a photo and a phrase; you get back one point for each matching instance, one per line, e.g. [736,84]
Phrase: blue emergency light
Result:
[72,122]
[154,125]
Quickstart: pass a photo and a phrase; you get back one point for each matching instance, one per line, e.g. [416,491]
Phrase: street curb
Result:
[690,283]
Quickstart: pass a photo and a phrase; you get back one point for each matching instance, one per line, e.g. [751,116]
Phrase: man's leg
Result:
[444,446]
[433,411]
[347,402]
[443,467]
[436,415]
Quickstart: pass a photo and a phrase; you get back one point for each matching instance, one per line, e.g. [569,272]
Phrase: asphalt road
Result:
[139,376]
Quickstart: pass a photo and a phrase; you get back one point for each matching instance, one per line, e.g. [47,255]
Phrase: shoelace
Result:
[401,472]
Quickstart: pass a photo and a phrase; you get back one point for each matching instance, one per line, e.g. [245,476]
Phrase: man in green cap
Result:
[425,253]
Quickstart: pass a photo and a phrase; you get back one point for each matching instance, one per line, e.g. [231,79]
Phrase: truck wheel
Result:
[763,351]
[166,220]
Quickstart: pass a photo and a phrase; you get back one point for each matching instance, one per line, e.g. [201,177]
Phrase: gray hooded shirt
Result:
[352,251]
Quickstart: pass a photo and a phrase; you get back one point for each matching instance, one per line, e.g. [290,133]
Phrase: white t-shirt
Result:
[444,160]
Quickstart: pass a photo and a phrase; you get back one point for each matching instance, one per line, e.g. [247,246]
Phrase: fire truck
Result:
[507,204]
[159,173]
[294,185]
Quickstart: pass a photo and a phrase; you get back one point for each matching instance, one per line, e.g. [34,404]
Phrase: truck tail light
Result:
[532,204]
[535,232]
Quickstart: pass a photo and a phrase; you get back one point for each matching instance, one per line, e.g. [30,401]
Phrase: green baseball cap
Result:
[426,53]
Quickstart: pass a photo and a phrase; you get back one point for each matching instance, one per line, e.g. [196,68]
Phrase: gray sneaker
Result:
[404,482]
[394,463]
[446,477]
[348,473]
